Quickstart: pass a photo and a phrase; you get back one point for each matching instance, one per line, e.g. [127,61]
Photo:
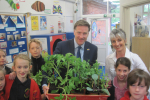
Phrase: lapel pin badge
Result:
[88,49]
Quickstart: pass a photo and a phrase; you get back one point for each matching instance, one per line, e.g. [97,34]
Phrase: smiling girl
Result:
[22,88]
[119,83]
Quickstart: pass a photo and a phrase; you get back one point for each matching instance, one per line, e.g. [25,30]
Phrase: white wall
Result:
[52,19]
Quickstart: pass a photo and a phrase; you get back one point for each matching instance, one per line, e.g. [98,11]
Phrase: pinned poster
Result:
[34,23]
[43,23]
[4,18]
[21,18]
[14,19]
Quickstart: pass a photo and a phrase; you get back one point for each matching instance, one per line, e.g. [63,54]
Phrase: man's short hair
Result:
[36,41]
[82,23]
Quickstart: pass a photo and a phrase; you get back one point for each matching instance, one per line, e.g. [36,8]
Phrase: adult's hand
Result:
[109,84]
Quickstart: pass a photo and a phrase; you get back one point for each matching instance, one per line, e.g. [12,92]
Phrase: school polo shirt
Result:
[19,90]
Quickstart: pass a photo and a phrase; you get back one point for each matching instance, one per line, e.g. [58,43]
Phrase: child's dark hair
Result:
[123,61]
[140,74]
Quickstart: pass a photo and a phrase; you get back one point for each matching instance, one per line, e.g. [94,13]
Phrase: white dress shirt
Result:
[136,62]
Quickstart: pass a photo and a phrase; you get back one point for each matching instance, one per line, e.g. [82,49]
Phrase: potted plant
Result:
[68,73]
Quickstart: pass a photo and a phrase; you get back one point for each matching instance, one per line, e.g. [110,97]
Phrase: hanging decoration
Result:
[4,18]
[21,18]
[13,5]
[38,6]
[57,8]
[14,19]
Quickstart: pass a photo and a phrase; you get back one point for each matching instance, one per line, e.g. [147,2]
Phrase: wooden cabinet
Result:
[141,46]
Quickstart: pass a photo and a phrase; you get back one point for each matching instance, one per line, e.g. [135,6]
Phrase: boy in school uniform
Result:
[138,84]
[35,48]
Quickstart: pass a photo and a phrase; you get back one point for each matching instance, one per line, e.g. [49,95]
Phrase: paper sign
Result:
[47,11]
[34,23]
[15,32]
[13,51]
[23,52]
[4,18]
[20,25]
[9,60]
[3,45]
[10,29]
[21,42]
[2,26]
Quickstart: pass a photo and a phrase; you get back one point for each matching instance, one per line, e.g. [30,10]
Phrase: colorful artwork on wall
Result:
[57,9]
[38,6]
[43,23]
[14,19]
[34,23]
[13,5]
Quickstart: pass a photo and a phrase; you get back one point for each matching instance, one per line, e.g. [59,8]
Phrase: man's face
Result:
[81,33]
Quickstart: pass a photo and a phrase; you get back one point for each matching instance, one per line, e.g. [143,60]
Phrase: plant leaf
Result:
[54,91]
[105,91]
[89,89]
[95,76]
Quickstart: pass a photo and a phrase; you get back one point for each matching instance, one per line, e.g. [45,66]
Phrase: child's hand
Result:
[12,75]
[109,83]
[45,89]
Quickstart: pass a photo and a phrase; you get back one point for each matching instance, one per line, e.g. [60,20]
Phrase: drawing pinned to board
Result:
[14,19]
[34,23]
[57,9]
[2,36]
[17,37]
[23,33]
[10,37]
[43,23]
[3,44]
[38,6]
[13,43]
[4,18]
[13,5]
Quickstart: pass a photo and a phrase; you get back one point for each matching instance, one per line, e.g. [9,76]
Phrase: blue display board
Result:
[13,37]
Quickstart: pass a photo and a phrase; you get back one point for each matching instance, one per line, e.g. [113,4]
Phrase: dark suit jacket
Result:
[90,50]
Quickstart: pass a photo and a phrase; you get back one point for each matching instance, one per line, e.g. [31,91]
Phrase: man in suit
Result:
[78,46]
[88,51]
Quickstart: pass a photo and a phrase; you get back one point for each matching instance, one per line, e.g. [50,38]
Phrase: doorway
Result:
[100,29]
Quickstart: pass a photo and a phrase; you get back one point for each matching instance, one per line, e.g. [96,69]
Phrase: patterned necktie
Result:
[78,52]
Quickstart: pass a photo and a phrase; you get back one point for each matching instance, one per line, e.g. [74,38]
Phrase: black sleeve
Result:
[8,70]
[112,92]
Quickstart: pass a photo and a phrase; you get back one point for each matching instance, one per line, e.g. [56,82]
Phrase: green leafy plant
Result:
[77,77]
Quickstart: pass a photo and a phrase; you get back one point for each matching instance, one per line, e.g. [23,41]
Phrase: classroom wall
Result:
[52,19]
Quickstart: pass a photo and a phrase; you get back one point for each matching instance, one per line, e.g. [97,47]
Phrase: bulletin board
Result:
[13,36]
